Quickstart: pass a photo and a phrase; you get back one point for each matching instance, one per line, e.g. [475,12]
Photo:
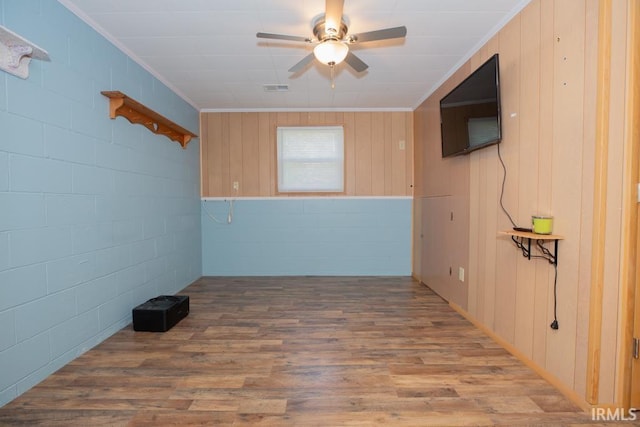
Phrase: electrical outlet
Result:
[402,144]
[461,274]
[236,185]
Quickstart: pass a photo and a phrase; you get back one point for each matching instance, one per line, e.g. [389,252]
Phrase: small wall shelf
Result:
[540,238]
[16,53]
[121,105]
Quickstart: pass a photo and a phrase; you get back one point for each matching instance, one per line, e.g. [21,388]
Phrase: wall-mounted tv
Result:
[470,113]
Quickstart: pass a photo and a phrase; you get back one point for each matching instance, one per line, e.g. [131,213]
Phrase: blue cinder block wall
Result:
[307,236]
[96,215]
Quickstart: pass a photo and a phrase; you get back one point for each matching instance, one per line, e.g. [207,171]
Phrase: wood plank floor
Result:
[299,351]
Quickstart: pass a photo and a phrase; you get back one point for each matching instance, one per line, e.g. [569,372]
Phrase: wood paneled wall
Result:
[242,147]
[548,66]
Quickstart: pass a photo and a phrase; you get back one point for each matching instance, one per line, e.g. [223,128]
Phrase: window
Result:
[311,159]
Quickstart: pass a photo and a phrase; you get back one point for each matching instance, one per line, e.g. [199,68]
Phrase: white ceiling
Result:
[207,50]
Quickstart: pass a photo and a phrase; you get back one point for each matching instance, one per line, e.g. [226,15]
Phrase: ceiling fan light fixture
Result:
[331,52]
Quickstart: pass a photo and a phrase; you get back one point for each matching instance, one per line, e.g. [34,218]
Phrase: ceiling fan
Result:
[332,41]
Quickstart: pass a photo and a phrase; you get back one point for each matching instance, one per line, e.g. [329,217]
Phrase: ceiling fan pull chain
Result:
[333,80]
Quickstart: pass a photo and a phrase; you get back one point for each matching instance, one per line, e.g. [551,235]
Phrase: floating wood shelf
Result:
[121,105]
[531,235]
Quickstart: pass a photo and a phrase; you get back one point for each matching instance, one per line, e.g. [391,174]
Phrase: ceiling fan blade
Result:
[387,33]
[333,14]
[283,37]
[355,62]
[302,64]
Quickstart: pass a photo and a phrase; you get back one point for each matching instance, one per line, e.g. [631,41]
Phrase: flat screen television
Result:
[470,113]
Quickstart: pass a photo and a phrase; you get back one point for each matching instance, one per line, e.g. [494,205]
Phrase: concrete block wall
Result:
[322,236]
[96,215]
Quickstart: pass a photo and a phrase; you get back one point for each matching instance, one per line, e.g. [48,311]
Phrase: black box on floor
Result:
[161,313]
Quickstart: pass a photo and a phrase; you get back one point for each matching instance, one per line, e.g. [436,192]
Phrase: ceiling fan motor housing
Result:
[323,33]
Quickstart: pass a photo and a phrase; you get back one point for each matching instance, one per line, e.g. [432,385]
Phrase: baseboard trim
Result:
[550,378]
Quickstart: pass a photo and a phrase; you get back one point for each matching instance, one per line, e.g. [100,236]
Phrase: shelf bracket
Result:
[16,53]
[122,105]
[522,240]
[552,257]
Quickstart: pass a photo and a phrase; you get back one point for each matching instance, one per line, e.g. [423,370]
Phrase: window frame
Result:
[278,157]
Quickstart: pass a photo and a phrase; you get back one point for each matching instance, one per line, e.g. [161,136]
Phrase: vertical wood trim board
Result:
[611,325]
[600,201]
[629,273]
[241,147]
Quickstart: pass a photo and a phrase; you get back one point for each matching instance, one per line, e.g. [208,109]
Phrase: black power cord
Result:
[504,180]
[552,260]
[554,324]
[546,254]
